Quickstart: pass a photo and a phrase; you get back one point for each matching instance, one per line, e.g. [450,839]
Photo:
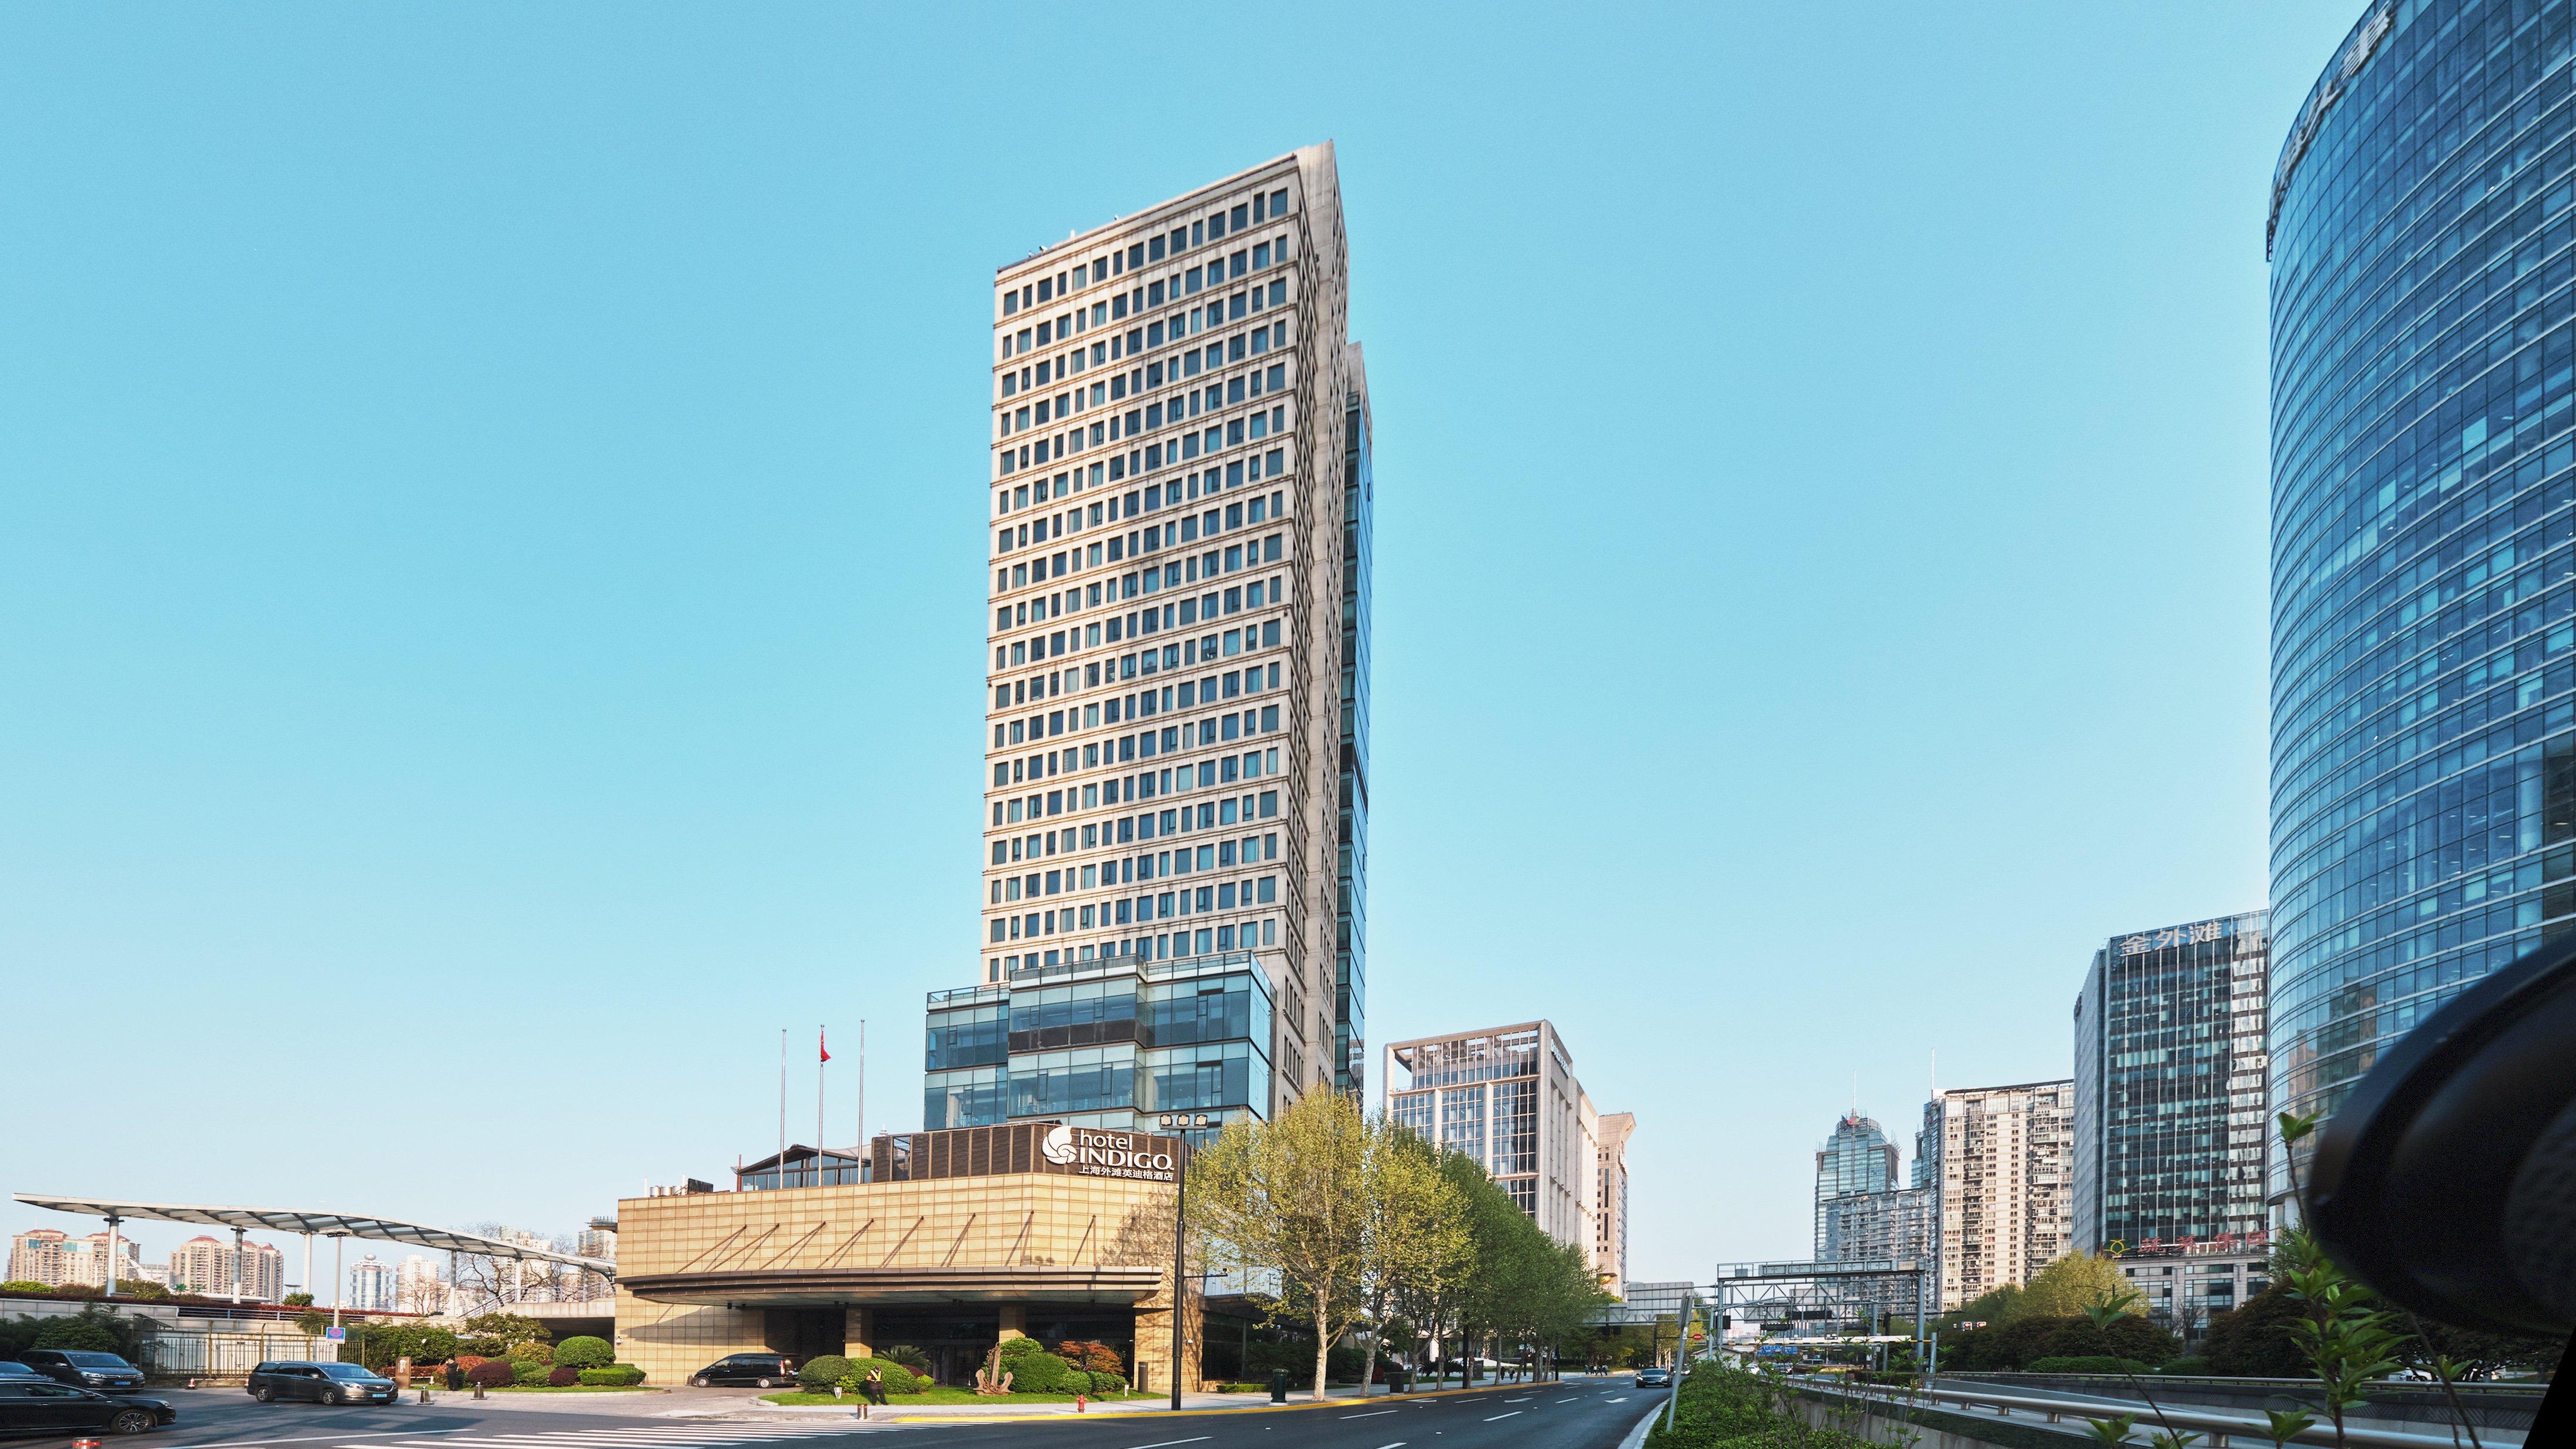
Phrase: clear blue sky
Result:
[490,552]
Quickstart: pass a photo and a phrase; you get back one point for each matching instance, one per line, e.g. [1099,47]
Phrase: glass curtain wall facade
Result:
[1856,1159]
[1177,632]
[2171,1086]
[2423,774]
[1350,967]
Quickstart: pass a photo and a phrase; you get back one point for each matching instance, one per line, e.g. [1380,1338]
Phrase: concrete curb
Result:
[1637,1436]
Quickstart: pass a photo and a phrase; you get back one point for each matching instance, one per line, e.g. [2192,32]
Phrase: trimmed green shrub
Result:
[584,1352]
[1033,1370]
[1103,1382]
[493,1373]
[897,1378]
[560,1377]
[2194,1365]
[532,1353]
[2086,1363]
[615,1376]
[529,1373]
[822,1373]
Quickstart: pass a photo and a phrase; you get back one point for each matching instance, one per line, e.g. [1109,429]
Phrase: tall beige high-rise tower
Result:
[1176,723]
[2000,1166]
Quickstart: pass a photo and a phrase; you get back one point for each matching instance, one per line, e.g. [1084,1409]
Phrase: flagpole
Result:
[782,1106]
[824,1051]
[863,1083]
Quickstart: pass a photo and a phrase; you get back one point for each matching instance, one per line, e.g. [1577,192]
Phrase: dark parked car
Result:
[323,1383]
[752,1370]
[30,1405]
[84,1369]
[10,1368]
[1654,1378]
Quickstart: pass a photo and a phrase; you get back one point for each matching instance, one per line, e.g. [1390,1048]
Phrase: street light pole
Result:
[1180,1244]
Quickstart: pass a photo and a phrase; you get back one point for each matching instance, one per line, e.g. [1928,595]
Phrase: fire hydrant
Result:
[1081,1402]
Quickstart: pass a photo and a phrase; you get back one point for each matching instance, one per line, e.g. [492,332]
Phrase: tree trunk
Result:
[1323,1346]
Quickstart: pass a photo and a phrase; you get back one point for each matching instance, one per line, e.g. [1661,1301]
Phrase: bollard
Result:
[478,1391]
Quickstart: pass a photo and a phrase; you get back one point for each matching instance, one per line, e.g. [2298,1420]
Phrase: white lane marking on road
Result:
[1168,1443]
[1568,1401]
[1371,1414]
[1523,1400]
[317,1438]
[1514,1414]
[1623,1398]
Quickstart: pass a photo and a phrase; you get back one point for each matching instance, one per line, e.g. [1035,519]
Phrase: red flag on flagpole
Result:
[819,1044]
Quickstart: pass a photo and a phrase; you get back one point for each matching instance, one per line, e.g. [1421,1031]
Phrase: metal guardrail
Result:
[2220,1427]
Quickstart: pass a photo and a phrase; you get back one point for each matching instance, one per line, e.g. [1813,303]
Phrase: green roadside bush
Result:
[615,1376]
[532,1353]
[1104,1382]
[2193,1365]
[584,1352]
[822,1373]
[898,1378]
[528,1373]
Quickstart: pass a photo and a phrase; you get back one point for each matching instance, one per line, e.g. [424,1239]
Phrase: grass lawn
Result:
[952,1396]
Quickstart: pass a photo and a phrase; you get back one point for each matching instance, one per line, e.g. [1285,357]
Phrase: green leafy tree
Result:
[1289,1197]
[495,1334]
[297,1300]
[2073,1285]
[1414,1238]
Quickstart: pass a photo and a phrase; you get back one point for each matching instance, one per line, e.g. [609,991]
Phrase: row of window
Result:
[1125,789]
[1188,694]
[1149,866]
[1215,312]
[1134,543]
[1249,385]
[1225,221]
[1131,789]
[1183,613]
[1135,910]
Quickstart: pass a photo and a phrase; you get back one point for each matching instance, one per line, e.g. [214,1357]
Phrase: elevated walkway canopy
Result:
[317,1224]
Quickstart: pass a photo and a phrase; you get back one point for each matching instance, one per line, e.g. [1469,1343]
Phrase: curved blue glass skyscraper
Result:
[2423,785]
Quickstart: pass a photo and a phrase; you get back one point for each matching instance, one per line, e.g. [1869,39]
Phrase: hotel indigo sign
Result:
[1089,1152]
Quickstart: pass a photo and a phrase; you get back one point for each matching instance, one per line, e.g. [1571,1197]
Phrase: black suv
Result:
[31,1405]
[323,1383]
[83,1369]
[755,1370]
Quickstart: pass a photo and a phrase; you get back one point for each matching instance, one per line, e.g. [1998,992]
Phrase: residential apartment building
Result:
[1175,813]
[2171,1087]
[204,1264]
[76,1262]
[1611,1131]
[1998,1163]
[418,1287]
[36,1256]
[1508,1098]
[371,1285]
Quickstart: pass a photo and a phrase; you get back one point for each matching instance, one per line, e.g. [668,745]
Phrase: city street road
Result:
[1576,1414]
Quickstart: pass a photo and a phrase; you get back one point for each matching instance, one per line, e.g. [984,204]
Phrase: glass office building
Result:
[2423,773]
[2170,1087]
[1856,1160]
